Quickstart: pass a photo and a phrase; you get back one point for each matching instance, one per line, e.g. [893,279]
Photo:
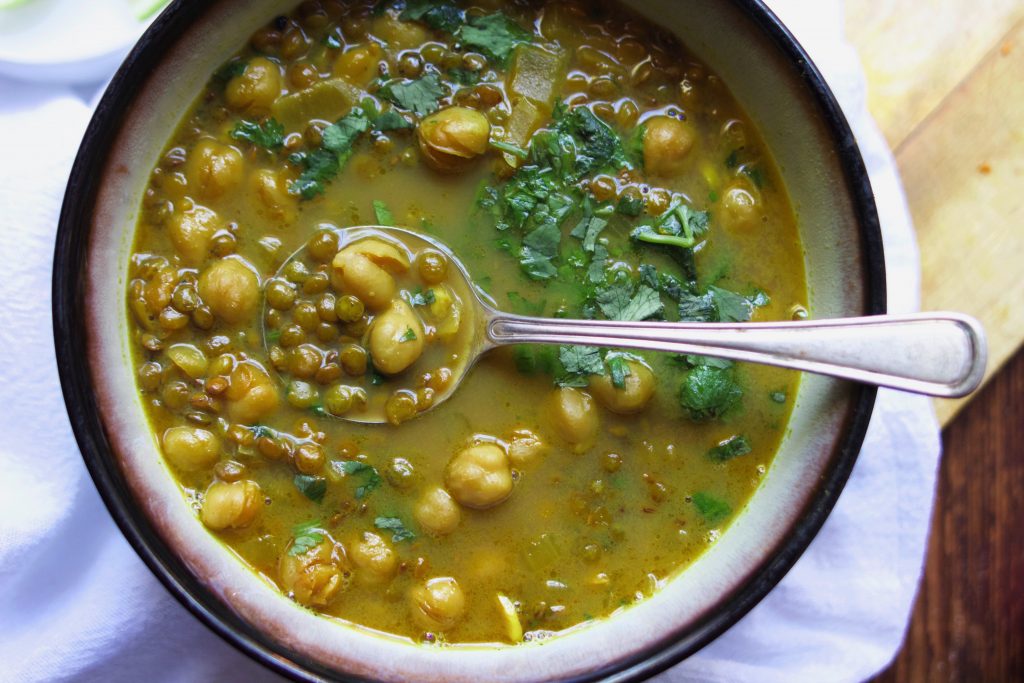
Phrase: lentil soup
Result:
[581,164]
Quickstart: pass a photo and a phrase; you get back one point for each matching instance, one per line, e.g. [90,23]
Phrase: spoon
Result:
[935,354]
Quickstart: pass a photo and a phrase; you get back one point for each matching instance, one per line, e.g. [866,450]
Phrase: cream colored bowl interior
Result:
[770,92]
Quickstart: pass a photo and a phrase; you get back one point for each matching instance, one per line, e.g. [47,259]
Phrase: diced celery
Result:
[326,100]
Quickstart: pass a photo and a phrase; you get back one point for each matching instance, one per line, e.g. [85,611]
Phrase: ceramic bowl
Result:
[771,77]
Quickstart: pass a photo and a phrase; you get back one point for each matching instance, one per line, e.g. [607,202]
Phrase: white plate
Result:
[68,41]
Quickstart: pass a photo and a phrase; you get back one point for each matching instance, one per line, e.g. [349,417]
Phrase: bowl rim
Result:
[69,327]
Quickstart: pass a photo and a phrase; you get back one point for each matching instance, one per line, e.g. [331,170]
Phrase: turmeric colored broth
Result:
[581,163]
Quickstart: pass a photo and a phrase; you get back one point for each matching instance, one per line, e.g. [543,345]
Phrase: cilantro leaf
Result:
[419,297]
[709,392]
[307,536]
[323,164]
[630,205]
[311,487]
[539,248]
[601,148]
[712,509]
[588,231]
[596,272]
[733,447]
[382,213]
[440,15]
[390,120]
[269,134]
[618,302]
[420,96]
[371,478]
[618,369]
[229,70]
[698,308]
[464,76]
[394,524]
[493,35]
[407,336]
[730,306]
[581,360]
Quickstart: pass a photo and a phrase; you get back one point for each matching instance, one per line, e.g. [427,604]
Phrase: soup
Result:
[581,164]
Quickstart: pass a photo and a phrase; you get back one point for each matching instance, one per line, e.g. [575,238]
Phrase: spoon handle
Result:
[937,354]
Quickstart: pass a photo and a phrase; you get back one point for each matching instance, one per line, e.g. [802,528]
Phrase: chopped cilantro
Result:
[323,164]
[709,392]
[712,509]
[601,147]
[523,306]
[260,431]
[307,536]
[437,14]
[370,477]
[511,149]
[493,35]
[311,487]
[539,248]
[580,361]
[618,301]
[235,67]
[618,369]
[382,213]
[398,530]
[407,336]
[707,361]
[390,120]
[269,134]
[596,272]
[733,447]
[419,297]
[464,76]
[630,205]
[530,359]
[420,96]
[679,226]
[588,231]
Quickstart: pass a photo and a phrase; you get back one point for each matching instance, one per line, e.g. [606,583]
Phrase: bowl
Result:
[771,77]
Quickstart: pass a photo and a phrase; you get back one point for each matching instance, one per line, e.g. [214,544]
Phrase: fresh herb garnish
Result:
[311,487]
[578,364]
[307,536]
[323,164]
[390,120]
[733,447]
[382,213]
[370,477]
[420,297]
[235,67]
[493,35]
[269,134]
[679,226]
[407,336]
[464,76]
[511,149]
[618,368]
[399,532]
[420,96]
[619,301]
[712,509]
[709,392]
[440,15]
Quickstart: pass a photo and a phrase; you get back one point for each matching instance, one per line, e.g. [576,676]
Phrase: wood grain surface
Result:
[946,84]
[968,623]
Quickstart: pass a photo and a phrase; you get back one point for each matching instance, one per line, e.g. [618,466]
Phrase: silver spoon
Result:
[935,354]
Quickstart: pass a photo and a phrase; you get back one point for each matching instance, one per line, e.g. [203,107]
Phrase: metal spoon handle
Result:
[937,354]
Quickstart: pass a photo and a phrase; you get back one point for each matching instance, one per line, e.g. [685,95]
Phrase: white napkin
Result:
[76,603]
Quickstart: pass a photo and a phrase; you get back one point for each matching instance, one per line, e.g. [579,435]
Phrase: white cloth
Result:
[77,604]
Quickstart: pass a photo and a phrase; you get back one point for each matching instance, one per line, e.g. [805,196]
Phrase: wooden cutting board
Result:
[946,85]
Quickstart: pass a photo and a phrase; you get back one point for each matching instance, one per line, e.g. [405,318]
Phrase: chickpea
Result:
[314,578]
[396,339]
[256,88]
[667,142]
[191,233]
[360,65]
[632,397]
[231,505]
[213,169]
[437,512]
[741,209]
[575,416]
[273,194]
[438,604]
[452,137]
[191,448]
[374,558]
[479,476]
[398,34]
[251,393]
[524,447]
[364,278]
[432,266]
[231,289]
[323,245]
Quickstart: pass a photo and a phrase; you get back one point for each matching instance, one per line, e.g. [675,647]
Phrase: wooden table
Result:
[946,85]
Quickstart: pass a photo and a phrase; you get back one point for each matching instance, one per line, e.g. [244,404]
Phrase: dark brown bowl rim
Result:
[70,329]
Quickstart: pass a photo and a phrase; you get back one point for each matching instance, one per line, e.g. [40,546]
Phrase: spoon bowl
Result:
[936,354]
